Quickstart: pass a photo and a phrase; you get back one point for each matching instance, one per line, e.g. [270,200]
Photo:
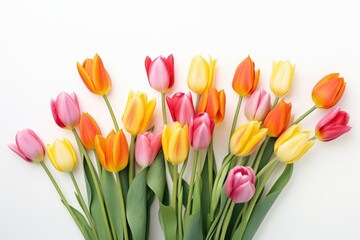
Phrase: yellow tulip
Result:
[62,155]
[292,144]
[201,74]
[138,113]
[175,142]
[282,77]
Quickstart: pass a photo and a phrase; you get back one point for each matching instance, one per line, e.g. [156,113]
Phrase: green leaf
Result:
[136,206]
[168,221]
[268,152]
[185,185]
[156,176]
[193,226]
[264,205]
[124,179]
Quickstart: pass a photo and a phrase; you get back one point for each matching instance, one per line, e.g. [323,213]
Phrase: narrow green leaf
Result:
[193,226]
[156,176]
[269,150]
[168,221]
[124,179]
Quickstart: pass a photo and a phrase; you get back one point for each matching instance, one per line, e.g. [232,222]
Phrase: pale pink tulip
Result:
[147,147]
[160,72]
[257,106]
[201,128]
[65,110]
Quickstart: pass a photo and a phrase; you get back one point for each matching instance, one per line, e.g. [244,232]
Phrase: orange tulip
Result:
[245,79]
[113,151]
[213,102]
[95,76]
[278,119]
[88,130]
[328,91]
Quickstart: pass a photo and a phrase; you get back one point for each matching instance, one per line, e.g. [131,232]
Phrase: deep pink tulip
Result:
[332,125]
[160,72]
[147,147]
[240,184]
[181,107]
[257,106]
[65,110]
[201,129]
[28,146]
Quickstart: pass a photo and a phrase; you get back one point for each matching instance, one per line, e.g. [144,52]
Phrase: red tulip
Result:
[181,107]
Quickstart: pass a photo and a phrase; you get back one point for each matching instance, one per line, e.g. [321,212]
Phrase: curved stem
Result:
[223,215]
[305,115]
[198,96]
[267,166]
[132,159]
[122,206]
[227,221]
[163,107]
[210,162]
[111,112]
[179,203]
[192,180]
[275,101]
[238,219]
[236,116]
[260,154]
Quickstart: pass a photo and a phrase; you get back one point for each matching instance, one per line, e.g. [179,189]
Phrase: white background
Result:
[41,41]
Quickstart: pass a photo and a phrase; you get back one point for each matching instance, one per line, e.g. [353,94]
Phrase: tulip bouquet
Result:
[219,199]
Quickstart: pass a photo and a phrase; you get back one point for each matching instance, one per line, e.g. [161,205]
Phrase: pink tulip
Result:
[28,146]
[160,72]
[201,128]
[147,147]
[257,106]
[240,184]
[332,125]
[181,107]
[65,110]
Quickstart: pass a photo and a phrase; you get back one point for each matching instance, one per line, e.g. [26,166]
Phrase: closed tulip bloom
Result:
[138,113]
[245,79]
[292,144]
[175,142]
[282,77]
[201,129]
[62,155]
[213,102]
[147,147]
[160,72]
[181,107]
[247,138]
[113,151]
[240,184]
[95,76]
[277,120]
[328,91]
[201,74]
[65,110]
[88,130]
[257,106]
[332,125]
[28,146]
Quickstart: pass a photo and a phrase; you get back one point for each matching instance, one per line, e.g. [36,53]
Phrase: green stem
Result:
[163,107]
[132,159]
[175,182]
[236,116]
[244,161]
[99,166]
[82,202]
[267,166]
[198,96]
[305,115]
[313,138]
[192,180]
[96,183]
[238,219]
[122,206]
[275,101]
[227,221]
[210,162]
[179,203]
[223,215]
[260,154]
[111,112]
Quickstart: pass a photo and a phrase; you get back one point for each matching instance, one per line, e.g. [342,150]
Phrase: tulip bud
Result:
[147,147]
[332,125]
[282,77]
[245,79]
[95,76]
[277,120]
[240,184]
[201,73]
[328,91]
[160,72]
[257,106]
[65,110]
[181,107]
[28,146]
[201,128]
[213,102]
[292,144]
[88,130]
[62,155]
[175,142]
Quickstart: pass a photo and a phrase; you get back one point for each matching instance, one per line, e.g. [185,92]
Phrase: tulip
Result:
[62,155]
[138,113]
[292,144]
[257,106]
[160,72]
[88,130]
[240,184]
[147,147]
[328,91]
[277,120]
[175,142]
[247,138]
[28,146]
[245,79]
[201,129]
[181,107]
[95,76]
[65,110]
[201,73]
[332,125]
[113,151]
[213,102]
[282,77]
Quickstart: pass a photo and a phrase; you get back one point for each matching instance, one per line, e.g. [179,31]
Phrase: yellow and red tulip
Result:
[277,120]
[201,74]
[62,155]
[245,79]
[175,142]
[213,102]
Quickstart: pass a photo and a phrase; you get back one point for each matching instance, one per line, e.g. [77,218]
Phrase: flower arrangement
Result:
[125,178]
